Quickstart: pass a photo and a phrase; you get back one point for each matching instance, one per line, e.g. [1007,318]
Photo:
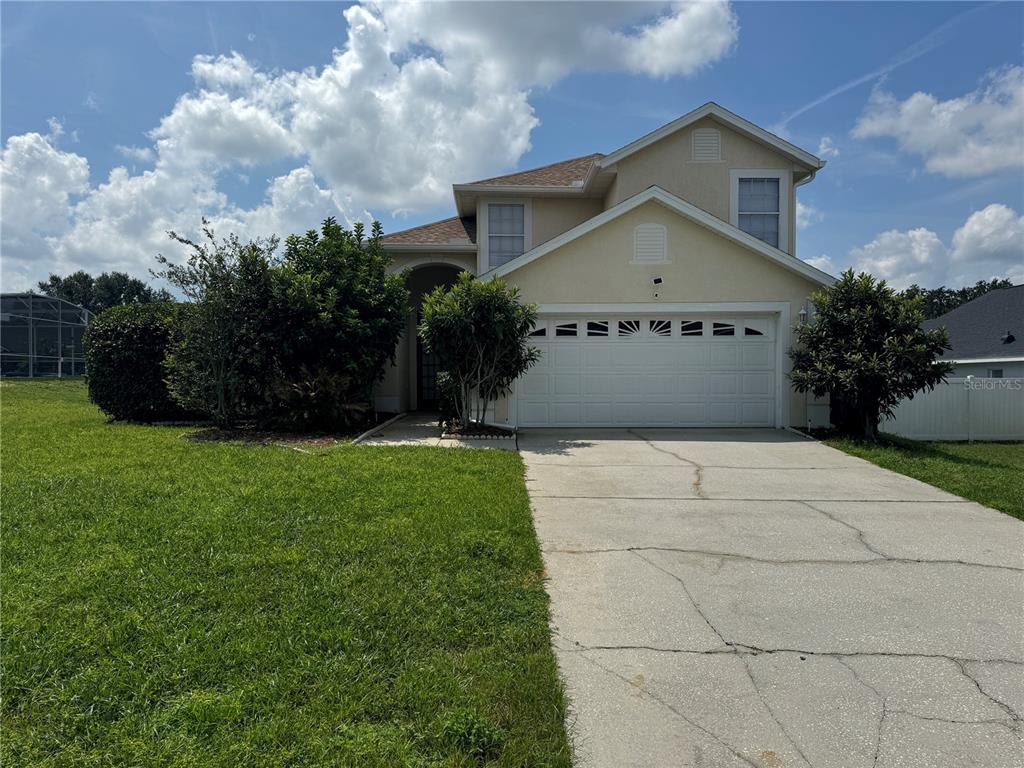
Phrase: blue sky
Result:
[277,133]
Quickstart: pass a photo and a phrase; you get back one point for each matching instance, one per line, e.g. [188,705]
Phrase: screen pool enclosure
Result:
[40,336]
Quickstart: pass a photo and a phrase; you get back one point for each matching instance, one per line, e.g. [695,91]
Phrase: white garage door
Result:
[685,371]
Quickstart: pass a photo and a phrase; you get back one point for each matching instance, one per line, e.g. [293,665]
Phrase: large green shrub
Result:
[479,331]
[338,317]
[124,352]
[866,348]
[294,342]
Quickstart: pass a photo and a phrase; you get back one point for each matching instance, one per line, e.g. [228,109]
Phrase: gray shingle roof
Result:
[444,232]
[561,174]
[975,328]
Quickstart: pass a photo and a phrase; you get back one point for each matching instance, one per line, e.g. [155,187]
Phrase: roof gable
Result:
[683,208]
[724,116]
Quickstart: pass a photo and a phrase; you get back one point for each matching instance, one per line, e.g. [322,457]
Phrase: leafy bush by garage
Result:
[479,331]
[124,351]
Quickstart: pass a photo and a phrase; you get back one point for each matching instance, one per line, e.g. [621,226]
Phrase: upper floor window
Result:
[759,208]
[506,232]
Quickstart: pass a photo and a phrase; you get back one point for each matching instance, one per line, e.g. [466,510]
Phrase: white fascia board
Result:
[967,361]
[725,116]
[517,189]
[682,207]
[430,247]
[656,308]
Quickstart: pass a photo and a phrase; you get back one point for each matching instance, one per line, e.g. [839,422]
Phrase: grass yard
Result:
[989,473]
[180,604]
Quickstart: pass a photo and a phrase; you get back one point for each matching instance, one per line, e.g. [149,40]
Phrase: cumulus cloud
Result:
[827,148]
[806,215]
[418,95]
[971,135]
[37,184]
[902,258]
[142,154]
[988,245]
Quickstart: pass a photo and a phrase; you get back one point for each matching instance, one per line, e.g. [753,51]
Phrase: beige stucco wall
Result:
[667,164]
[704,268]
[552,216]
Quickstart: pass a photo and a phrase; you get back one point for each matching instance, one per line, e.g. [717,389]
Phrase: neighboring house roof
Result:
[457,231]
[723,115]
[681,207]
[976,329]
[566,173]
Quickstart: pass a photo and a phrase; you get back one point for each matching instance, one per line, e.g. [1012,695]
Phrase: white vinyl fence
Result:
[963,409]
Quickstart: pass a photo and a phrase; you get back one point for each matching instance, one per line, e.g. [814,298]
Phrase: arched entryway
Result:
[411,383]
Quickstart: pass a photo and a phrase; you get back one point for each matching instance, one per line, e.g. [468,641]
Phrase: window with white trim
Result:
[995,373]
[650,244]
[759,208]
[506,232]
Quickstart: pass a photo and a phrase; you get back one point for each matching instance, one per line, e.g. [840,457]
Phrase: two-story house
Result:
[665,275]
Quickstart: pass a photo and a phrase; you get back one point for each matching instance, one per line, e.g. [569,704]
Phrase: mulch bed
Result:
[252,436]
[481,432]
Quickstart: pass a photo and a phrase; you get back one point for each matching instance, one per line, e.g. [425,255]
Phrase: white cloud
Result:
[142,154]
[825,264]
[902,258]
[417,96]
[972,135]
[91,102]
[37,183]
[806,215]
[988,245]
[827,148]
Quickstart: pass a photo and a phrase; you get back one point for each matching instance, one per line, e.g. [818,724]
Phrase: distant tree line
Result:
[938,301]
[110,289]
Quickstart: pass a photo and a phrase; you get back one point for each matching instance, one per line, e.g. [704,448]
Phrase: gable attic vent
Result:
[706,145]
[649,244]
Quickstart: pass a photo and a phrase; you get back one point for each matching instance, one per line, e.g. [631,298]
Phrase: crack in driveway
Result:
[769,693]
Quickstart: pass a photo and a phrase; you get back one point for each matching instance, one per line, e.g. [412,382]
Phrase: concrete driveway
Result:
[752,598]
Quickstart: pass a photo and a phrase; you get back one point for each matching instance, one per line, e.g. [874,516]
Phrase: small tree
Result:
[865,346]
[479,331]
[219,360]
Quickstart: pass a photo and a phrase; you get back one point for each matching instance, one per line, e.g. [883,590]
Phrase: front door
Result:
[426,381]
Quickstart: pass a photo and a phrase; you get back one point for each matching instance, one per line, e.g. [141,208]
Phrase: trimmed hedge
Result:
[124,353]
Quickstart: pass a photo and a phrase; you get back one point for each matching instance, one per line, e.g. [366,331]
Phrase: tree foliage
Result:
[109,289]
[220,359]
[479,332]
[339,316]
[294,342]
[938,301]
[866,348]
[125,348]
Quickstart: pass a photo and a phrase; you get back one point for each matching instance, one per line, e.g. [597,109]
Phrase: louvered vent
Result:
[707,145]
[649,244]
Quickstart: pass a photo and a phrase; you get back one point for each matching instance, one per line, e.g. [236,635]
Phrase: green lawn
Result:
[989,473]
[179,604]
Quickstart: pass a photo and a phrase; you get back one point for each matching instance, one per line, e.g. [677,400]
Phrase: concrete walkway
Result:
[751,598]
